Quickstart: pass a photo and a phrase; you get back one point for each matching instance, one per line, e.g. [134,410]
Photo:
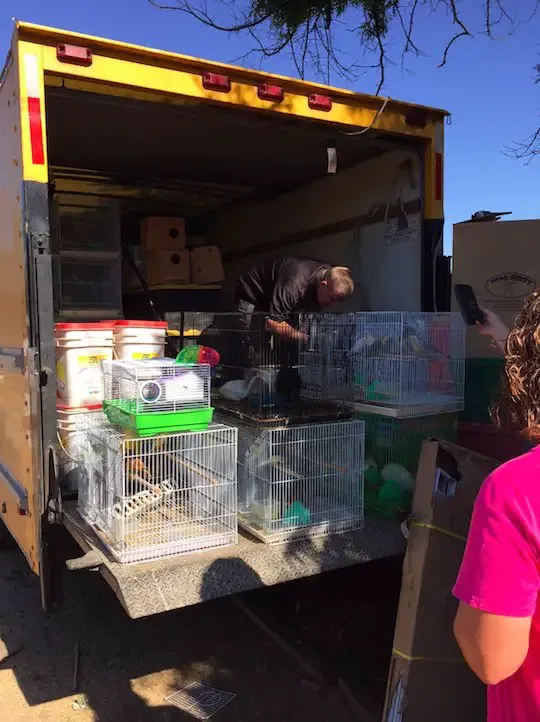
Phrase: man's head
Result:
[336,286]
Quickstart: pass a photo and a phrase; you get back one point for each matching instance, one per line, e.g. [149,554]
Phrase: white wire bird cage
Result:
[150,498]
[301,481]
[157,396]
[268,378]
[408,364]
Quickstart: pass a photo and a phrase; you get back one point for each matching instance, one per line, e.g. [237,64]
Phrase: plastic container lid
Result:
[140,324]
[100,326]
[72,409]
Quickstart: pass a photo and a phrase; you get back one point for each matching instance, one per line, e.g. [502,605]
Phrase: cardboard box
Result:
[206,266]
[428,678]
[163,234]
[167,267]
[500,260]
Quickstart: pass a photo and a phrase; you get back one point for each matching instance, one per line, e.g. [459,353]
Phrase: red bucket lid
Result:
[94,407]
[99,326]
[141,324]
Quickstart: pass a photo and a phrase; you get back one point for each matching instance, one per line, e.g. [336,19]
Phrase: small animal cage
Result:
[407,364]
[157,396]
[86,228]
[301,481]
[150,498]
[89,284]
[393,449]
[325,358]
[265,377]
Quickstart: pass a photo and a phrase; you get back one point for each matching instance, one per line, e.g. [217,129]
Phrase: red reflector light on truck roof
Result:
[215,81]
[320,102]
[270,92]
[74,54]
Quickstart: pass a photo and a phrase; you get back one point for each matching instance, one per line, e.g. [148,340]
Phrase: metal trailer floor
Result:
[159,586]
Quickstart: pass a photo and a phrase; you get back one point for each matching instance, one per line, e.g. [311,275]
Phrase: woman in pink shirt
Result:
[498,622]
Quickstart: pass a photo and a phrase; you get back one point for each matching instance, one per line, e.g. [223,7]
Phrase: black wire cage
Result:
[268,377]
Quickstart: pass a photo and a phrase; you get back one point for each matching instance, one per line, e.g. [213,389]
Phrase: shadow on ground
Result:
[127,668]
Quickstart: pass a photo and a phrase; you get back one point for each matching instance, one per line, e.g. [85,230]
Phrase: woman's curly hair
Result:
[519,407]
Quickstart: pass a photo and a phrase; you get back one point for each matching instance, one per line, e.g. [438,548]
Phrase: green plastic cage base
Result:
[151,424]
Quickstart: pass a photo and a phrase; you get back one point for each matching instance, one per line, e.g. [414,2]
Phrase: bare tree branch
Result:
[204,17]
[527,150]
[307,31]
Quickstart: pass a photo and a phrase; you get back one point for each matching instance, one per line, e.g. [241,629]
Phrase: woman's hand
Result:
[494,328]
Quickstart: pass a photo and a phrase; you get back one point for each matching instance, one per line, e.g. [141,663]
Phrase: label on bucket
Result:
[138,356]
[90,376]
[92,360]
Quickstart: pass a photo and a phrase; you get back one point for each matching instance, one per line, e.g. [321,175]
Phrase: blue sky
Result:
[487,86]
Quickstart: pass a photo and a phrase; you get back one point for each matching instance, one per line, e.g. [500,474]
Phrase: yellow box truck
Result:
[260,164]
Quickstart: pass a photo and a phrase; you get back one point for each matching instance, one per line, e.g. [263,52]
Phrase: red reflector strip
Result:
[320,102]
[214,81]
[271,92]
[74,54]
[36,131]
[438,176]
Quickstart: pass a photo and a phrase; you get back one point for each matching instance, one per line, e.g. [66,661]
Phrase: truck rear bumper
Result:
[160,586]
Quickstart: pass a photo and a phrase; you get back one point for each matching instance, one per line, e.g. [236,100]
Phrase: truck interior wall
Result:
[387,271]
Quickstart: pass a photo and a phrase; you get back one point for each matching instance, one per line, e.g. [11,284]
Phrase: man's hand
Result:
[494,328]
[285,330]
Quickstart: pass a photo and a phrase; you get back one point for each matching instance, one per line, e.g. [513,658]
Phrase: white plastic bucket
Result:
[80,349]
[139,340]
[71,424]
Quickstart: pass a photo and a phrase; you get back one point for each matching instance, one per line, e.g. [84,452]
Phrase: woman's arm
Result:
[498,583]
[495,328]
[494,646]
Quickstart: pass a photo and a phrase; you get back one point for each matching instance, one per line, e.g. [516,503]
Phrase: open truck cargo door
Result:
[99,99]
[26,365]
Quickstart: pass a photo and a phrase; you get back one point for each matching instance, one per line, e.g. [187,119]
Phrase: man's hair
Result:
[340,279]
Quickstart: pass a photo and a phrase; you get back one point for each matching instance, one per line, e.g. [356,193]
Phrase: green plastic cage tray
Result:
[125,415]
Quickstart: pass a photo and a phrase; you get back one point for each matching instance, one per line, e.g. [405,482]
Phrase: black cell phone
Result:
[468,305]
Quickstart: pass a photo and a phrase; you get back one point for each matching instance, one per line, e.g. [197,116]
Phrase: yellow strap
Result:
[408,658]
[423,525]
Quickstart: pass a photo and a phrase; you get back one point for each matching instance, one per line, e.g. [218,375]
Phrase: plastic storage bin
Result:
[80,350]
[139,340]
[393,449]
[483,386]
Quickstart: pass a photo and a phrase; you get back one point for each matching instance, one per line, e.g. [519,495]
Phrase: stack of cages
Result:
[407,383]
[300,452]
[154,497]
[161,477]
[87,260]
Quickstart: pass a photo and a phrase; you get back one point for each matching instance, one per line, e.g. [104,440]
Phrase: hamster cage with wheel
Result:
[157,396]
